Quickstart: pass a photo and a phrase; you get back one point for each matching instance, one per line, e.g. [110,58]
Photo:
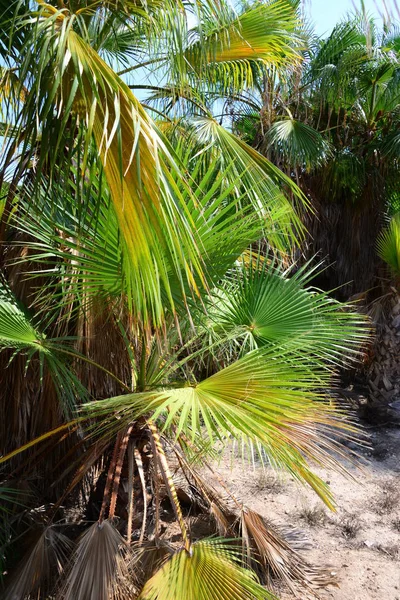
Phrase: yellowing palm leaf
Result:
[83,99]
[270,397]
[151,215]
[210,570]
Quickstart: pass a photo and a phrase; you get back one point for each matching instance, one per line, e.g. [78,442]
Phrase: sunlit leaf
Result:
[388,244]
[211,569]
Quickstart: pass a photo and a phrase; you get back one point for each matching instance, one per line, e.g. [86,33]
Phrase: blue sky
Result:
[325,13]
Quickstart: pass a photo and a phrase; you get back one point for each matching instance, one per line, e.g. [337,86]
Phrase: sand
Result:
[361,541]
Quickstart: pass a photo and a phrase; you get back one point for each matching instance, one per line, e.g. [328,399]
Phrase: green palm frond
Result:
[211,569]
[260,305]
[262,182]
[18,333]
[388,244]
[335,64]
[271,397]
[264,35]
[343,37]
[298,144]
[11,35]
[79,252]
[115,37]
[16,329]
[391,145]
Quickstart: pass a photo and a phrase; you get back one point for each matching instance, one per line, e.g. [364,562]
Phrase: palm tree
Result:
[147,319]
[332,126]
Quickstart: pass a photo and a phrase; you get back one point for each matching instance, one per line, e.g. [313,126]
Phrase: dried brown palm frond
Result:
[268,546]
[41,567]
[148,557]
[274,549]
[99,567]
[221,520]
[222,507]
[100,339]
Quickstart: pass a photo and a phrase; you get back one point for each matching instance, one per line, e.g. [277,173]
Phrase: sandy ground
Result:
[361,540]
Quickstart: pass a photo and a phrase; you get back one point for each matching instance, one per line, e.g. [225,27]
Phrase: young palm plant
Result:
[146,319]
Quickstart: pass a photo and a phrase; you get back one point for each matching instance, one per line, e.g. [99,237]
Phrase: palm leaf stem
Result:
[169,482]
[131,490]
[139,464]
[118,469]
[110,475]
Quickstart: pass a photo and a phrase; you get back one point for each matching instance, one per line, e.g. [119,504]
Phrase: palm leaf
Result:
[260,304]
[41,566]
[388,244]
[16,329]
[11,91]
[152,219]
[264,35]
[261,180]
[211,569]
[298,144]
[18,333]
[343,37]
[98,569]
[277,555]
[270,398]
[78,251]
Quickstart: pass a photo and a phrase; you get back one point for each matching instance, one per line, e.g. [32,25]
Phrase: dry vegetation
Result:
[313,516]
[360,542]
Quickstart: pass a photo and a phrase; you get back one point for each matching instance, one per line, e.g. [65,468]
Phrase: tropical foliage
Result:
[332,127]
[389,244]
[148,316]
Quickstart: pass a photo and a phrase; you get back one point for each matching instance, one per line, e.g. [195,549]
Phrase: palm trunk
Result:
[343,235]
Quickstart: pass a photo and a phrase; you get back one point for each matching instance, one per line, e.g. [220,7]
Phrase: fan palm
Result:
[389,244]
[332,126]
[143,321]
